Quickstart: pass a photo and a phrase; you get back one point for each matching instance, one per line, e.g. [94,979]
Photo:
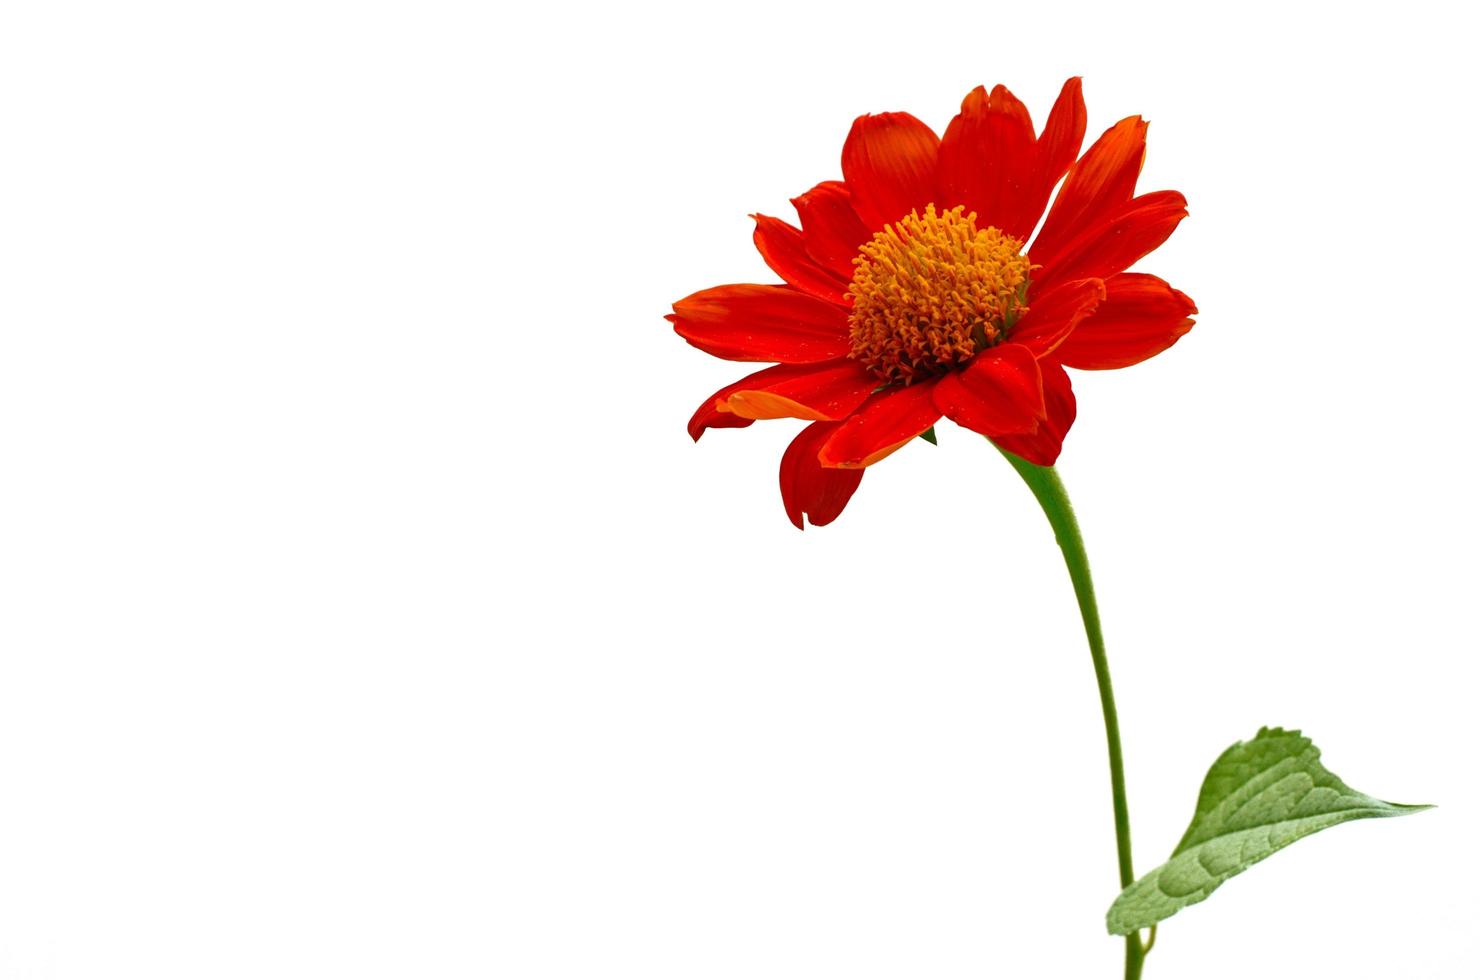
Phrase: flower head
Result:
[912,291]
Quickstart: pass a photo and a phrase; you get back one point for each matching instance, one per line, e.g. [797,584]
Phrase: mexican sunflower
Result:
[911,291]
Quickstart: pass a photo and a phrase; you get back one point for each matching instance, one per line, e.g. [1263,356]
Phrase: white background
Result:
[368,613]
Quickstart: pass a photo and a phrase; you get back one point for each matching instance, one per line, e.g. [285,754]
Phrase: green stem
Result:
[1049,489]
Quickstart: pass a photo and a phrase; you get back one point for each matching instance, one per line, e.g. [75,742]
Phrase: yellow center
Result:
[930,291]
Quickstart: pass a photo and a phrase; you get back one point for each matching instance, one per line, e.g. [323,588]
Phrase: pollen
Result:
[930,291]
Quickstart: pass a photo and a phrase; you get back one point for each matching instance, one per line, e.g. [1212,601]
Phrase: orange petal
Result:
[830,227]
[987,160]
[714,412]
[1141,317]
[1052,317]
[807,488]
[1136,228]
[785,251]
[887,421]
[889,167]
[1057,147]
[710,416]
[1042,447]
[1102,180]
[999,393]
[751,322]
[812,391]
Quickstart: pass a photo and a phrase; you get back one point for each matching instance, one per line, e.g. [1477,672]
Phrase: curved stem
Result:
[1049,490]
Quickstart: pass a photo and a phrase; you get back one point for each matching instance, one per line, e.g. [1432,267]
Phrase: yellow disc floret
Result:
[931,290]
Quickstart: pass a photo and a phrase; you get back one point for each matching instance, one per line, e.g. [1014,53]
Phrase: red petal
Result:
[1057,147]
[801,391]
[999,393]
[1102,181]
[889,167]
[1052,317]
[1136,228]
[1042,447]
[888,420]
[762,323]
[987,160]
[1141,317]
[830,226]
[822,380]
[806,487]
[709,416]
[784,250]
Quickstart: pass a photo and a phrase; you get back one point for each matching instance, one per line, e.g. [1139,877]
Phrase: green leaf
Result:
[1260,796]
[929,436]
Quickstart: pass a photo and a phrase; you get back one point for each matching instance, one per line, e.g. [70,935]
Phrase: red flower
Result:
[909,294]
